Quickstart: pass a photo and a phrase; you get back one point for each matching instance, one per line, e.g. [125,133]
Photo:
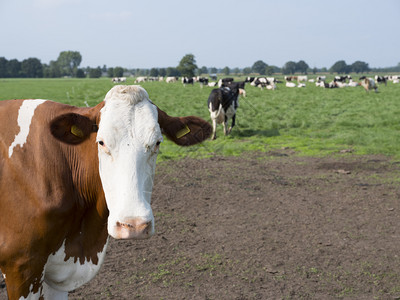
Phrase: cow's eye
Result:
[103,146]
[157,146]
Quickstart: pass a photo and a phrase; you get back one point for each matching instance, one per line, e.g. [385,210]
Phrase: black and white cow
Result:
[222,104]
[381,79]
[187,80]
[223,81]
[342,78]
[249,79]
[202,80]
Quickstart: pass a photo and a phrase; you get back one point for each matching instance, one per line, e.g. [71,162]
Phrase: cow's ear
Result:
[71,128]
[184,131]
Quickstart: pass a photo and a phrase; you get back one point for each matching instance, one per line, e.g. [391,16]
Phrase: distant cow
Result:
[368,84]
[187,80]
[170,79]
[381,79]
[202,80]
[223,81]
[290,84]
[141,79]
[290,78]
[222,104]
[302,78]
[342,78]
[72,176]
[118,79]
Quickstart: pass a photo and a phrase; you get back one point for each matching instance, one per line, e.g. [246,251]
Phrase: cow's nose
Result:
[135,228]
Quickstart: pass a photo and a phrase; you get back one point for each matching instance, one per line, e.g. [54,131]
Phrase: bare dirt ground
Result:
[264,226]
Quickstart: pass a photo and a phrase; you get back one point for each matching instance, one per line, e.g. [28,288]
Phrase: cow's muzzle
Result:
[136,228]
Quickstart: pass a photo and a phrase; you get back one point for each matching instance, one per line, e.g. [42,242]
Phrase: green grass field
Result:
[310,120]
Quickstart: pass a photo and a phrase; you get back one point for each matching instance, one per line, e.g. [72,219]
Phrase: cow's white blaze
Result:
[128,139]
[25,115]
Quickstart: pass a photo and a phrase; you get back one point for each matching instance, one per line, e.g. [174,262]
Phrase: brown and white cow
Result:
[369,84]
[70,177]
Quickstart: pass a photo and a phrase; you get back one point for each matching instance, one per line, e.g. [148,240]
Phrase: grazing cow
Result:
[381,79]
[70,177]
[368,84]
[187,80]
[290,78]
[171,79]
[342,78]
[222,104]
[202,80]
[118,79]
[141,79]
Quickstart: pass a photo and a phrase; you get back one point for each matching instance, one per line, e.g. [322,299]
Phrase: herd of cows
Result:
[224,101]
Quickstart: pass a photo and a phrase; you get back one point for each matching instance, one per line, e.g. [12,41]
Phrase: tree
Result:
[360,67]
[226,71]
[80,73]
[289,67]
[187,66]
[302,67]
[269,70]
[95,73]
[14,68]
[32,68]
[203,70]
[259,67]
[213,70]
[69,61]
[172,72]
[236,71]
[52,70]
[153,72]
[3,67]
[247,71]
[118,72]
[110,72]
[339,67]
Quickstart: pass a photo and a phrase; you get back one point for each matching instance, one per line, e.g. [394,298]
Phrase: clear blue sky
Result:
[234,33]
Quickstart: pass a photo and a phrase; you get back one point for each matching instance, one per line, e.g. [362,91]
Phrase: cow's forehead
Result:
[121,101]
[128,108]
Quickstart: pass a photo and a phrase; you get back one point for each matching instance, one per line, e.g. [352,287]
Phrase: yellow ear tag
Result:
[75,130]
[182,132]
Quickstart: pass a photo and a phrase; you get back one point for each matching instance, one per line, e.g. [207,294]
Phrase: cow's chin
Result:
[136,228]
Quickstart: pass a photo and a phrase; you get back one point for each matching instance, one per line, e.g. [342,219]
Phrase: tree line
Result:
[68,62]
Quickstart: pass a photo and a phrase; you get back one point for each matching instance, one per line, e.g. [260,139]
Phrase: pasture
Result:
[299,202]
[311,120]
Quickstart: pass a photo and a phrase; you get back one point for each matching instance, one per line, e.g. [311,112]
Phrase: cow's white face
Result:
[128,140]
